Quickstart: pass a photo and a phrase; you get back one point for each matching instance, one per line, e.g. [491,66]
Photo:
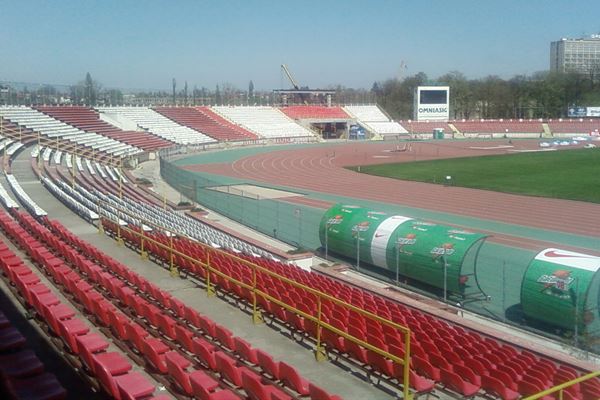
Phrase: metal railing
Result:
[561,388]
[209,270]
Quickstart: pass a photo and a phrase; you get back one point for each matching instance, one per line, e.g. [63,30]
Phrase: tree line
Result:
[540,95]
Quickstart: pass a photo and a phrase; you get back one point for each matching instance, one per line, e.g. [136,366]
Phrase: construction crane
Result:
[290,77]
[303,94]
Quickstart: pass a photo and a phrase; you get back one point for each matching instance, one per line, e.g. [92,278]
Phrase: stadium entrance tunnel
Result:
[411,248]
[562,288]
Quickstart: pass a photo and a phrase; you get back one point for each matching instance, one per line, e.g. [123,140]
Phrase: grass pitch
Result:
[568,174]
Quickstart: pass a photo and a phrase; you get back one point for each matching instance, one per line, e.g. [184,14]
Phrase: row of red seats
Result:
[209,113]
[484,357]
[496,126]
[88,120]
[417,382]
[169,324]
[112,371]
[314,112]
[22,374]
[161,358]
[584,127]
[204,121]
[62,323]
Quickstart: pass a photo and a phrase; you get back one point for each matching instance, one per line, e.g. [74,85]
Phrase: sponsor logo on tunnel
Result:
[445,249]
[338,219]
[360,227]
[558,254]
[557,284]
[409,239]
[460,232]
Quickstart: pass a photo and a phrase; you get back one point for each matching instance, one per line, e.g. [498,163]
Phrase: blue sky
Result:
[144,44]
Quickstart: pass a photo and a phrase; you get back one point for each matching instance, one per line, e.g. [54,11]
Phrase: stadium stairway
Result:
[457,134]
[325,375]
[547,132]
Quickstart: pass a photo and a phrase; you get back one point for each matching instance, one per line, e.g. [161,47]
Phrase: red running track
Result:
[321,169]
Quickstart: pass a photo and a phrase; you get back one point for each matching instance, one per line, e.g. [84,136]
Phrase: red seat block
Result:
[40,387]
[11,339]
[457,384]
[89,344]
[205,352]
[69,329]
[224,336]
[133,386]
[227,368]
[292,378]
[112,363]
[498,388]
[245,350]
[154,351]
[267,364]
[257,391]
[177,365]
[20,365]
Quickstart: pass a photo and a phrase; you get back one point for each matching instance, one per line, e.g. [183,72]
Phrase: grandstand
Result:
[374,120]
[207,122]
[267,122]
[88,120]
[494,128]
[574,126]
[425,129]
[52,128]
[315,112]
[157,124]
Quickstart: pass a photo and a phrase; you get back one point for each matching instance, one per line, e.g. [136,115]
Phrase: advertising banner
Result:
[576,112]
[593,112]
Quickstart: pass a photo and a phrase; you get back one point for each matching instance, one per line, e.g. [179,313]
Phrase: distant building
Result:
[575,55]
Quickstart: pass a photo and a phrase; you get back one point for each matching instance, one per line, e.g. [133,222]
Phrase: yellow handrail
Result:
[319,352]
[559,388]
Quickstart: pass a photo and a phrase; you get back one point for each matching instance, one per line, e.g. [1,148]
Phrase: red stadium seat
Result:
[245,351]
[497,387]
[205,352]
[257,391]
[267,364]
[292,378]
[457,384]
[227,368]
[177,365]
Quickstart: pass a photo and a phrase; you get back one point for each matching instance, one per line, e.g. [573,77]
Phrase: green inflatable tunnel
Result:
[562,288]
[416,249]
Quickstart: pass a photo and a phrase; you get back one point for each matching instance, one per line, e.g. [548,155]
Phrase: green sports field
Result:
[568,174]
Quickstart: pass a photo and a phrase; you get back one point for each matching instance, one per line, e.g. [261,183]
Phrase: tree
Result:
[462,103]
[218,99]
[251,91]
[113,97]
[174,82]
[376,89]
[185,93]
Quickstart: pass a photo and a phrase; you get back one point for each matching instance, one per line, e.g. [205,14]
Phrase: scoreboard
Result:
[432,103]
